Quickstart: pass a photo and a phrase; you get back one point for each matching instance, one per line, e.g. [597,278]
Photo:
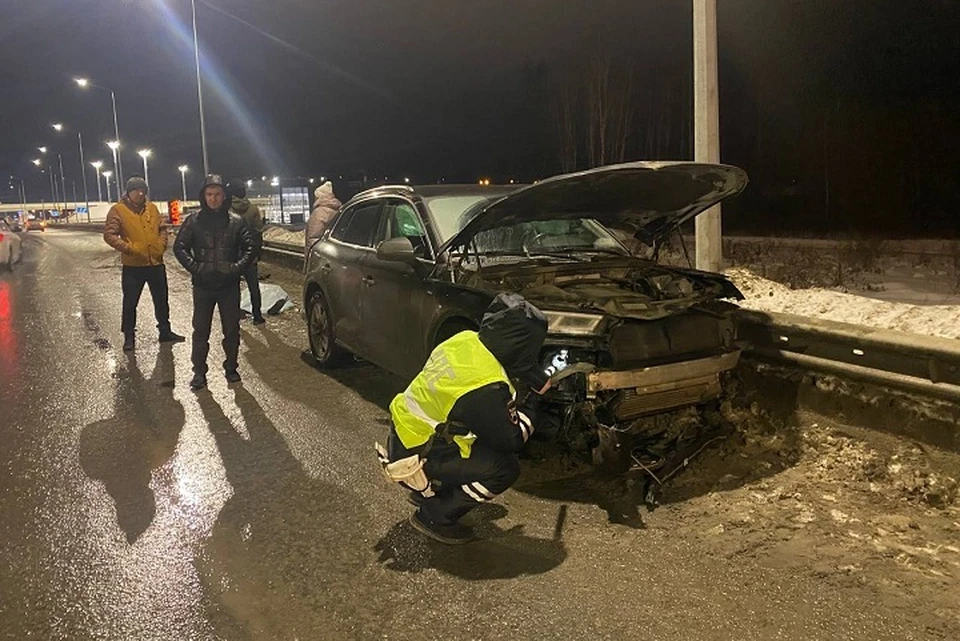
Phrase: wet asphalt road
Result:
[131,508]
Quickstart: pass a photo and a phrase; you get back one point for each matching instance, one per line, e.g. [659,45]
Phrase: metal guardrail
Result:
[908,362]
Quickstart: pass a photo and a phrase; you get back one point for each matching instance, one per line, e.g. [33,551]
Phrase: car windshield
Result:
[547,237]
[450,213]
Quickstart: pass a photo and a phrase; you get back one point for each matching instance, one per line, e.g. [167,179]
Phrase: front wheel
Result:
[323,344]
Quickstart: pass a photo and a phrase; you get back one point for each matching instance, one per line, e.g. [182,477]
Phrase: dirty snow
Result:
[769,296]
[276,234]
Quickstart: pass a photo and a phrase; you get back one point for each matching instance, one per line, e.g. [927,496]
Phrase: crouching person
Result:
[456,430]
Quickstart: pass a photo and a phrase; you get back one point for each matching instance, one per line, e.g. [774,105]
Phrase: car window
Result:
[358,225]
[547,235]
[402,221]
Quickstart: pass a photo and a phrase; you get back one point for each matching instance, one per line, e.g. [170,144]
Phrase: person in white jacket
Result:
[325,207]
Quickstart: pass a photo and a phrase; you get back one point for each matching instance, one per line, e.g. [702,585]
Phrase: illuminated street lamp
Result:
[183,179]
[106,180]
[84,83]
[63,183]
[114,149]
[83,173]
[145,153]
[53,185]
[97,165]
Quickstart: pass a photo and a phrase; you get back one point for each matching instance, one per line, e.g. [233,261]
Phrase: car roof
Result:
[434,191]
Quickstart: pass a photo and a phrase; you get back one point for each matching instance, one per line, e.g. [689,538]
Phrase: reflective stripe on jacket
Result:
[456,367]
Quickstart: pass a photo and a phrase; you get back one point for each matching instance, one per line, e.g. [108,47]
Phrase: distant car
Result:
[402,269]
[11,247]
[35,224]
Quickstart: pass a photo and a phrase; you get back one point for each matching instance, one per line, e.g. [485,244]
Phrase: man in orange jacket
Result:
[133,228]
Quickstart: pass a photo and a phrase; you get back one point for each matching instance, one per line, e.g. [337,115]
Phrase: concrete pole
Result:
[83,176]
[706,103]
[203,126]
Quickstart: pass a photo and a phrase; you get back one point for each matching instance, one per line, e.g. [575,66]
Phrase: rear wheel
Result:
[323,344]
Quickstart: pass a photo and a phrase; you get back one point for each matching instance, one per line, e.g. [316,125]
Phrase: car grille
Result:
[634,404]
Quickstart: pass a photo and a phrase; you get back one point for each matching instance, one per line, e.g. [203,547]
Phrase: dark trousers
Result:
[252,276]
[132,280]
[467,483]
[204,301]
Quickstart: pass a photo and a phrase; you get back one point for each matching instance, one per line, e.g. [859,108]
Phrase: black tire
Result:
[323,344]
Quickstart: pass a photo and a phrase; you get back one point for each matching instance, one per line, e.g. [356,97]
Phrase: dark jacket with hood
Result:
[215,246]
[254,219]
[513,330]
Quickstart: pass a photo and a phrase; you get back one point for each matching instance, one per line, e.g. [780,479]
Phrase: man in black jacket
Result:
[215,246]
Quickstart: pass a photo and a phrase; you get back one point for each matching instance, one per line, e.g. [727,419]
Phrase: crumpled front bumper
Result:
[659,388]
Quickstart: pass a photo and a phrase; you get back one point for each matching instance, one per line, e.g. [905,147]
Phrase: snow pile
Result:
[275,234]
[769,296]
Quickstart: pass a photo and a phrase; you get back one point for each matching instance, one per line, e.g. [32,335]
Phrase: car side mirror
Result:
[398,250]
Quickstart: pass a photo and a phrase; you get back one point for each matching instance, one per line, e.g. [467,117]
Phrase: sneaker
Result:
[129,343]
[198,383]
[452,534]
[171,337]
[259,320]
[232,376]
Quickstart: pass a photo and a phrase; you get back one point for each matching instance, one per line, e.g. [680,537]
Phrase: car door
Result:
[394,295]
[340,263]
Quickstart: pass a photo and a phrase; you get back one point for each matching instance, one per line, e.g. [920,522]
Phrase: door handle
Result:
[368,280]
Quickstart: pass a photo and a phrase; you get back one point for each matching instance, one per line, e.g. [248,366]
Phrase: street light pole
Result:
[116,133]
[97,165]
[84,83]
[63,182]
[196,55]
[145,153]
[183,180]
[106,180]
[83,176]
[114,146]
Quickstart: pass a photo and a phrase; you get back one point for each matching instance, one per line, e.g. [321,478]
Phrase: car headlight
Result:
[572,323]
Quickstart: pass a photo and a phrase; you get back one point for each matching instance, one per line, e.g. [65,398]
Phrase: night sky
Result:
[816,96]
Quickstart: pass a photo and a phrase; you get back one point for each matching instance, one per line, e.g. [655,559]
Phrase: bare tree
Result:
[594,112]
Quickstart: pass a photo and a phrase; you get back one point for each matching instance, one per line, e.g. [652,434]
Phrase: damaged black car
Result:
[632,342]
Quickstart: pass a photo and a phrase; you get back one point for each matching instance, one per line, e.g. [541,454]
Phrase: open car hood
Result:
[650,199]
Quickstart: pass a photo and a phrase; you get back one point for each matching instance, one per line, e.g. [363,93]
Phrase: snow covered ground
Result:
[770,296]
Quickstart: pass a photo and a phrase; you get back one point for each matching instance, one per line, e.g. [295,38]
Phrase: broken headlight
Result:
[572,323]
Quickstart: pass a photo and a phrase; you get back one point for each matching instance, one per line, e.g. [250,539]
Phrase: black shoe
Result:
[259,320]
[452,534]
[129,343]
[232,376]
[198,383]
[170,337]
[415,498]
